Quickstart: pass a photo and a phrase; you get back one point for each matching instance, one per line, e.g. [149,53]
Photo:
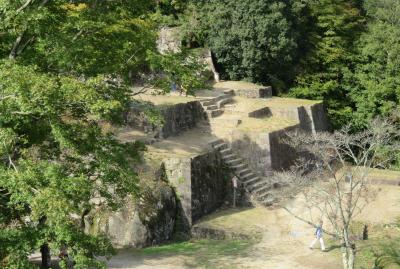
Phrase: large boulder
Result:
[145,221]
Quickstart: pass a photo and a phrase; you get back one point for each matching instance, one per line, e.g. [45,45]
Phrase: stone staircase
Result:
[261,188]
[214,106]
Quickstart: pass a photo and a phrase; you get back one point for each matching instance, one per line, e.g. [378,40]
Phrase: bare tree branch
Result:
[25,5]
[308,222]
[335,179]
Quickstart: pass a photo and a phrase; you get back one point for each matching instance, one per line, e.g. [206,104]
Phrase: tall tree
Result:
[325,67]
[375,85]
[65,70]
[252,39]
[57,163]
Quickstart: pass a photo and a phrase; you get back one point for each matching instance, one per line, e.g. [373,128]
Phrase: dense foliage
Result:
[66,67]
[344,52]
[330,59]
[56,162]
[375,83]
[65,71]
[256,40]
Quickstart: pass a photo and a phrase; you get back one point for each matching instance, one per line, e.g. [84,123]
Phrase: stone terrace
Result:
[242,114]
[238,124]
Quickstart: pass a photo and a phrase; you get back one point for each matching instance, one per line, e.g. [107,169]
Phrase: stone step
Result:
[252,181]
[211,107]
[265,195]
[243,172]
[239,167]
[229,92]
[221,146]
[209,102]
[229,157]
[261,189]
[213,101]
[226,151]
[234,161]
[216,142]
[224,101]
[220,97]
[269,201]
[247,176]
[214,113]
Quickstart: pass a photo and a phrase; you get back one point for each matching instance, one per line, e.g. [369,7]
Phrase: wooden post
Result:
[235,185]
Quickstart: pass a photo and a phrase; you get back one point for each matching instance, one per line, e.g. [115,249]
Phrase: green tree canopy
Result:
[88,38]
[65,71]
[326,65]
[57,163]
[375,87]
[251,39]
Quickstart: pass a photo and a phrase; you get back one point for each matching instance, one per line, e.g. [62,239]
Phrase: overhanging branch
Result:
[308,222]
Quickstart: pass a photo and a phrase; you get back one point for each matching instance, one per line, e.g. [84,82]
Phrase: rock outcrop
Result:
[143,222]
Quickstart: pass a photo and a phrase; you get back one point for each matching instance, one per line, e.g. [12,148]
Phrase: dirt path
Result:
[284,246]
[284,243]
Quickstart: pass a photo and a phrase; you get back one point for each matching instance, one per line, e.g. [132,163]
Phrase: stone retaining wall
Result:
[311,118]
[254,148]
[264,152]
[204,232]
[200,183]
[254,93]
[282,155]
[319,117]
[181,117]
[176,119]
[209,182]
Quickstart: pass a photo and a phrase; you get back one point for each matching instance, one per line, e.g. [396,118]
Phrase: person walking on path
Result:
[318,237]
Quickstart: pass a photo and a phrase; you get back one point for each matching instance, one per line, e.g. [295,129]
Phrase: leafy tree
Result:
[86,38]
[69,66]
[252,39]
[171,7]
[375,85]
[327,65]
[65,69]
[183,69]
[57,164]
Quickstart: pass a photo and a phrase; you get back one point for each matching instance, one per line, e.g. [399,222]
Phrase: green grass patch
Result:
[203,252]
[204,246]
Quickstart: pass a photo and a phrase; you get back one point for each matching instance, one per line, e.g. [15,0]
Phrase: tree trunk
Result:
[46,258]
[348,256]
